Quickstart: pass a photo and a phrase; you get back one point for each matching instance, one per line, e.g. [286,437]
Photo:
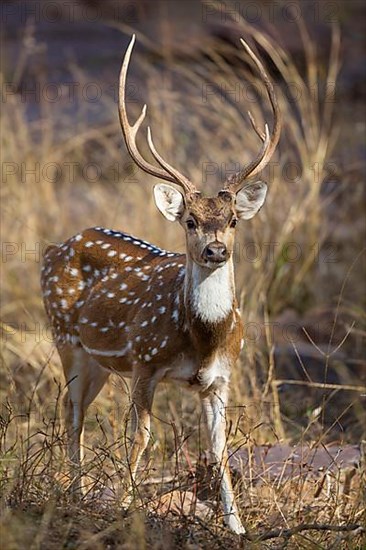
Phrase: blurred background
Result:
[300,264]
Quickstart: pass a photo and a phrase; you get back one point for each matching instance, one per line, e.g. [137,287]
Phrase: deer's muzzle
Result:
[215,252]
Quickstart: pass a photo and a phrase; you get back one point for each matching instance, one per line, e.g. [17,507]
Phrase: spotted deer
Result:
[120,304]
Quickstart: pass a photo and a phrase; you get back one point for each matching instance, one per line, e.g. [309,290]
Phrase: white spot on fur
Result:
[108,353]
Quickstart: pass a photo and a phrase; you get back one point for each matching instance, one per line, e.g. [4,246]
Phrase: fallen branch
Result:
[321,385]
[287,533]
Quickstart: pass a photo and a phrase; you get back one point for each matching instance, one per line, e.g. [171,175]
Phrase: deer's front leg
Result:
[143,387]
[214,404]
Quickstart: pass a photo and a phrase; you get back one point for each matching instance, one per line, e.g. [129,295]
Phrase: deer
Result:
[117,303]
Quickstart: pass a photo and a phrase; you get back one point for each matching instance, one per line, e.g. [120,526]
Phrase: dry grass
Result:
[37,510]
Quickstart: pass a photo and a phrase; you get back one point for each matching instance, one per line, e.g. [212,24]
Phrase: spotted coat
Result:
[120,298]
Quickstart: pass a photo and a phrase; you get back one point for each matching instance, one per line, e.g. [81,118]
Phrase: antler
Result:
[237,181]
[167,172]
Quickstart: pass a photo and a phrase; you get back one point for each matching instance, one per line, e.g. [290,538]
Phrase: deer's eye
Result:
[190,224]
[233,222]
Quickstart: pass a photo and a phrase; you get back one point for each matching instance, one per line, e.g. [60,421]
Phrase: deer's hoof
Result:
[235,525]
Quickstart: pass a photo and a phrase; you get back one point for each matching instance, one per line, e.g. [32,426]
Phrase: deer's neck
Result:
[209,294]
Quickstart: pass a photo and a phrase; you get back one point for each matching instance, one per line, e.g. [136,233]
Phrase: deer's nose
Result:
[215,252]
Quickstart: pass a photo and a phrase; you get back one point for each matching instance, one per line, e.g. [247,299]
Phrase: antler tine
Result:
[181,180]
[130,132]
[168,173]
[255,127]
[270,140]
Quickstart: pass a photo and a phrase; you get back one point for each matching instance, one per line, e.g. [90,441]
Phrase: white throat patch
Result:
[212,292]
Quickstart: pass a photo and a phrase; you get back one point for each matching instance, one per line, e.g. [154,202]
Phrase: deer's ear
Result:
[169,201]
[250,199]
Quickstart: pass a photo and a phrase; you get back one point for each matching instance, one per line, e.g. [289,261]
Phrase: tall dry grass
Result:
[196,120]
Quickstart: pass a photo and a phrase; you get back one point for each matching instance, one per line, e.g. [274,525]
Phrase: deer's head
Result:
[209,222]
